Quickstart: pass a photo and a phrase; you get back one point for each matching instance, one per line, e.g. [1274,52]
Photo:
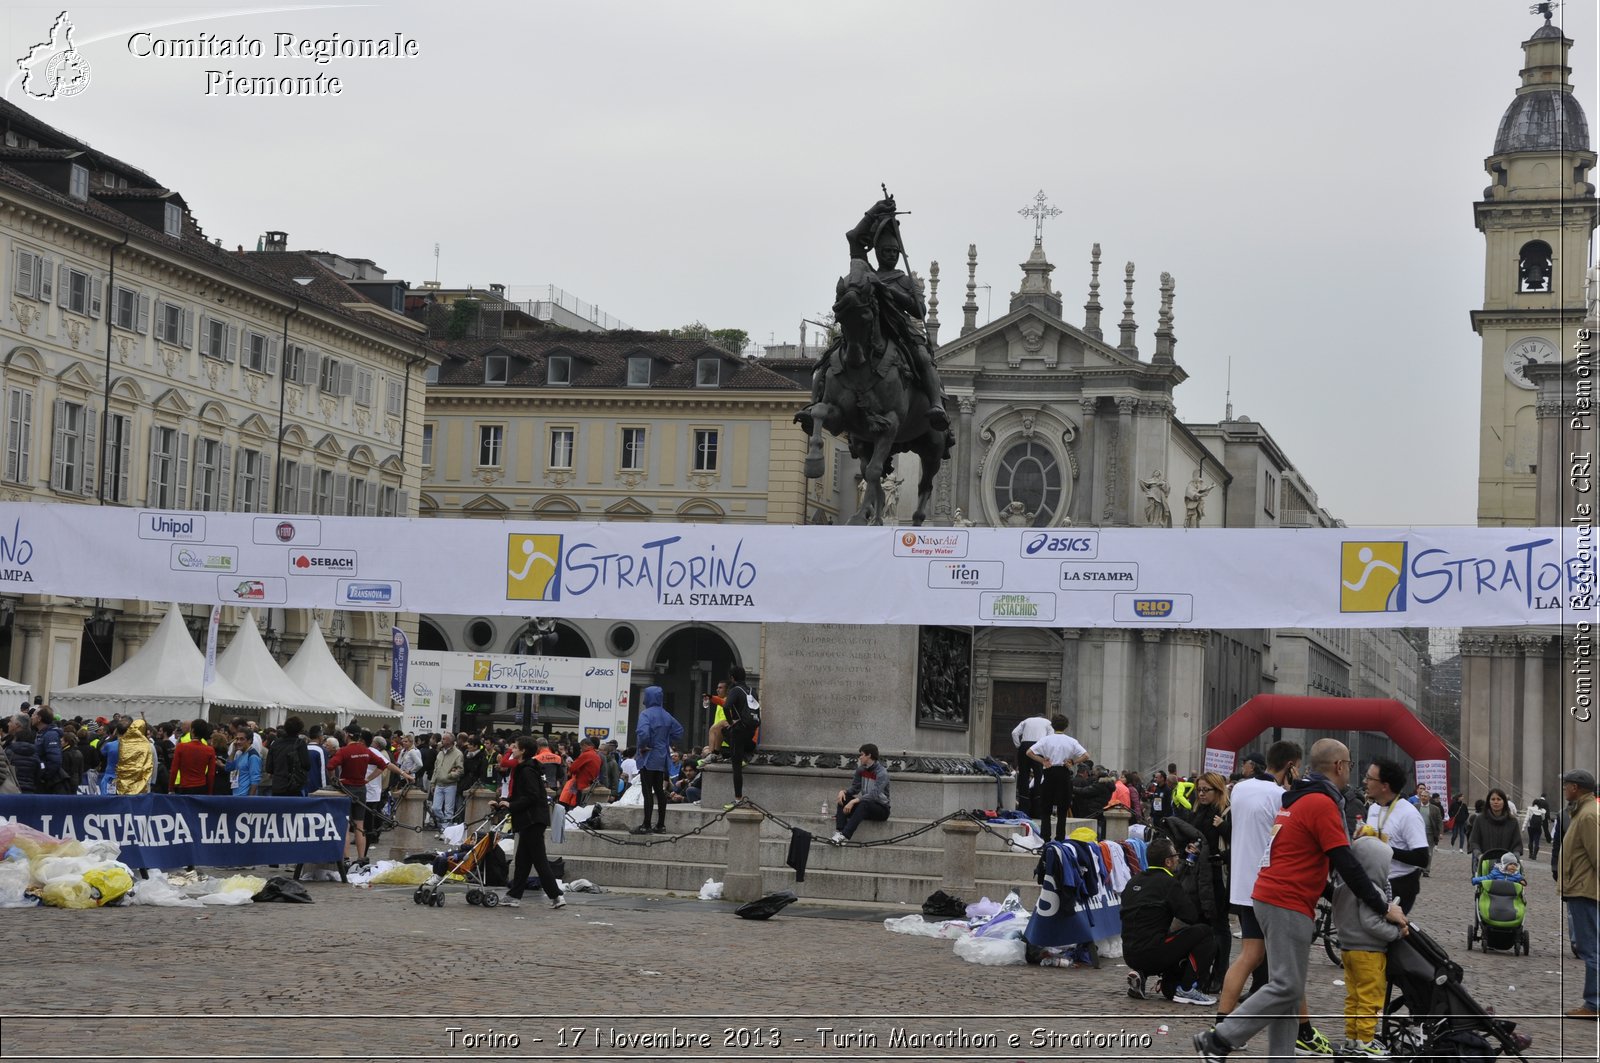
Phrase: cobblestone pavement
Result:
[366,974]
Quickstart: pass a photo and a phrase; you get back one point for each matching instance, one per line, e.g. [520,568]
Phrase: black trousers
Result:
[738,737]
[1535,836]
[1055,800]
[531,857]
[1029,772]
[1405,889]
[655,794]
[1179,960]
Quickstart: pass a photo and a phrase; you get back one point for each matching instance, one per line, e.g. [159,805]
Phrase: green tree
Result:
[463,319]
[732,340]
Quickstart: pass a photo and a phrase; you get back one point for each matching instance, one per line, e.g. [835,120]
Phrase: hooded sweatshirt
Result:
[1360,928]
[656,732]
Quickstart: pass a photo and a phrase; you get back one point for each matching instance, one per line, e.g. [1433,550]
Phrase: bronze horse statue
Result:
[868,397]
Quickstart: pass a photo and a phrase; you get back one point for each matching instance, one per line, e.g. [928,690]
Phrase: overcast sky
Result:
[1306,172]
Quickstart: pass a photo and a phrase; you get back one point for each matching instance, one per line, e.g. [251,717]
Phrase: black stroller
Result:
[1430,1015]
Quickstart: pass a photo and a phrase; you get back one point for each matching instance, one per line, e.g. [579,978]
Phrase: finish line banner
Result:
[161,831]
[1031,577]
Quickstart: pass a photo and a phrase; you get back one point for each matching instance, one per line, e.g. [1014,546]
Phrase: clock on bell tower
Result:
[1538,217]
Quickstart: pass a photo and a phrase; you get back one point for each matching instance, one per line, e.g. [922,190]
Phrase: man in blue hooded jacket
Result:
[654,736]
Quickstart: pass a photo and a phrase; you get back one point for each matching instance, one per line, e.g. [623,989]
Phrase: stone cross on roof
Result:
[1039,211]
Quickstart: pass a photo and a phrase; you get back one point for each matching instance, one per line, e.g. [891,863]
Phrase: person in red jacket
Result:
[353,763]
[194,763]
[584,771]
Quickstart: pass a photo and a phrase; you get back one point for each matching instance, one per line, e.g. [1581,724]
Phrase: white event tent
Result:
[161,681]
[249,666]
[315,671]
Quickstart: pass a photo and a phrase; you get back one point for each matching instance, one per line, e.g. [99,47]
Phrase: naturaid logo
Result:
[54,69]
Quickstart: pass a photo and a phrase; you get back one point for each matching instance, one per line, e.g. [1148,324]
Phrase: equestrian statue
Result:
[876,384]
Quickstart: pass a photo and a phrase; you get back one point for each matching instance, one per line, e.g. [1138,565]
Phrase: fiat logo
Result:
[285,532]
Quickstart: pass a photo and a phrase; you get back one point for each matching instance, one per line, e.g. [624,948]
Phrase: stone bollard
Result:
[1117,820]
[743,879]
[478,800]
[409,810]
[960,856]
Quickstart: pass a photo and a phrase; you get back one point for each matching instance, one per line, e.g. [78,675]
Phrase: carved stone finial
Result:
[1091,309]
[933,303]
[1165,340]
[969,309]
[1129,328]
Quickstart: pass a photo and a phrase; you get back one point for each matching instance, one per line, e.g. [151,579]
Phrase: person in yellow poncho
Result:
[136,760]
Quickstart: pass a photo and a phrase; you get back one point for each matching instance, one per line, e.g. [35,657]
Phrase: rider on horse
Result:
[900,310]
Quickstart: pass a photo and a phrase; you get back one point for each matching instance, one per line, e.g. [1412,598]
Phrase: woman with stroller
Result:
[1495,828]
[530,817]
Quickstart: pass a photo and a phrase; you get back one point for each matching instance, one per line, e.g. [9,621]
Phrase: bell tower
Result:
[1538,217]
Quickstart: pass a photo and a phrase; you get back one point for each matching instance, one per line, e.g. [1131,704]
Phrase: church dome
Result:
[1543,121]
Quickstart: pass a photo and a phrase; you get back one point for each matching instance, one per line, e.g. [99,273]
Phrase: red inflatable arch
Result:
[1332,714]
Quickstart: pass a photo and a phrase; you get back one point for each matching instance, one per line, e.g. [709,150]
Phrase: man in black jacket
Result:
[288,763]
[530,816]
[1153,901]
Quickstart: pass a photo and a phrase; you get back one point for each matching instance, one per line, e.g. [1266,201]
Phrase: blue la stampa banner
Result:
[161,831]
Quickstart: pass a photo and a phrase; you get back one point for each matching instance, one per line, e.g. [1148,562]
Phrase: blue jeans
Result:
[444,802]
[847,822]
[1583,923]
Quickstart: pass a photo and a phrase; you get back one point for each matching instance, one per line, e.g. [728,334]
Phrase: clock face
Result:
[1527,352]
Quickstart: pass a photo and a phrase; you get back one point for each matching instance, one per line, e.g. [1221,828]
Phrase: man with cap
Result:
[1578,877]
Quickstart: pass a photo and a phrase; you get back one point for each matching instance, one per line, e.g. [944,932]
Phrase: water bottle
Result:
[1055,961]
[824,808]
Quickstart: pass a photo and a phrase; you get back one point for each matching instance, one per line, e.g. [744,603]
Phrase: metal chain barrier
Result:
[670,839]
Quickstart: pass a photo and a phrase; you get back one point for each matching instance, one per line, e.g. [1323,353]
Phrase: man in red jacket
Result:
[584,771]
[194,762]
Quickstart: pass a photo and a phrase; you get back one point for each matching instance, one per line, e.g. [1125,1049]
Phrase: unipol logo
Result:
[54,68]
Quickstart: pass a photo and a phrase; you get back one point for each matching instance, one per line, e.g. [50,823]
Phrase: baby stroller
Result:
[1430,1015]
[1498,911]
[481,866]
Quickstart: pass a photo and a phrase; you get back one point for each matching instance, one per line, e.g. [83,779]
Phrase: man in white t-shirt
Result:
[380,750]
[1252,808]
[1057,753]
[1023,736]
[1397,821]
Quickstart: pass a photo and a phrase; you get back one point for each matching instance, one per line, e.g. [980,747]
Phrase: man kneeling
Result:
[1152,901]
[867,797]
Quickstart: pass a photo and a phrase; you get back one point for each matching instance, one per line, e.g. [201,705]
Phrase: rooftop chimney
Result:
[277,240]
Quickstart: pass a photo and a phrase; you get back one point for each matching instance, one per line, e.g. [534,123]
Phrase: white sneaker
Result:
[559,902]
[509,901]
[1365,1049]
[1194,995]
[838,838]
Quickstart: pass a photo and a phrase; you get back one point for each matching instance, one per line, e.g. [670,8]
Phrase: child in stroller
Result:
[1499,908]
[1430,1015]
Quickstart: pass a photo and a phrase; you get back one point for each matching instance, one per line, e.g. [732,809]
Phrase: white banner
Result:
[211,647]
[1062,577]
[600,684]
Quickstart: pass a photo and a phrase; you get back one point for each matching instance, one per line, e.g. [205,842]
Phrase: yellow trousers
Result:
[1365,985]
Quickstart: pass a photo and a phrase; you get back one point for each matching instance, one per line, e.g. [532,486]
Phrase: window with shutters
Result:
[130,310]
[328,376]
[427,444]
[169,468]
[561,446]
[32,276]
[257,348]
[395,398]
[324,497]
[249,465]
[78,182]
[632,454]
[210,475]
[174,325]
[294,363]
[358,497]
[79,292]
[391,502]
[117,456]
[364,386]
[705,450]
[218,339]
[19,434]
[491,440]
[288,485]
[71,454]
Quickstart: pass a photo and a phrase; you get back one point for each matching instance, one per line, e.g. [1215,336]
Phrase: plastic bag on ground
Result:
[14,883]
[454,833]
[68,893]
[914,925]
[1003,925]
[983,909]
[992,952]
[237,889]
[1109,948]
[15,833]
[401,875]
[110,881]
[582,885]
[159,891]
[711,891]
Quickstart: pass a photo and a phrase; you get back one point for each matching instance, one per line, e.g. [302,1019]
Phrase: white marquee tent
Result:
[315,671]
[249,666]
[161,681]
